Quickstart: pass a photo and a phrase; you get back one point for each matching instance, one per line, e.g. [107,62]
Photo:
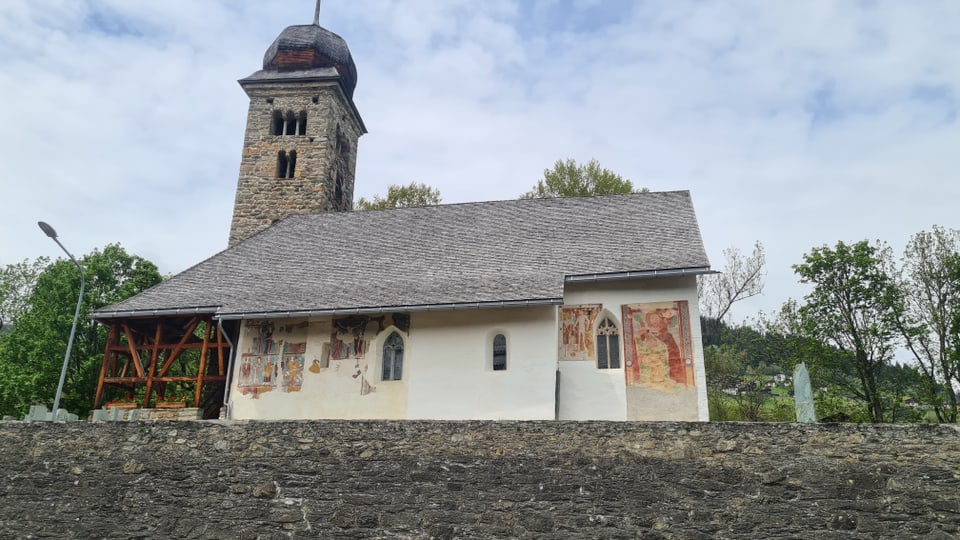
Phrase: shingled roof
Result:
[513,252]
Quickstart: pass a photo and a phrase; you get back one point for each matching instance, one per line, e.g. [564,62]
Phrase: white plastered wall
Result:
[589,393]
[451,375]
[447,370]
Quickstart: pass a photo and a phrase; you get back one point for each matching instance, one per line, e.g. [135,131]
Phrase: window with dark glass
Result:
[393,358]
[608,345]
[499,352]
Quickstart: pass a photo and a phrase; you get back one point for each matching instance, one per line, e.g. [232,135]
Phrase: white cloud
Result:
[797,124]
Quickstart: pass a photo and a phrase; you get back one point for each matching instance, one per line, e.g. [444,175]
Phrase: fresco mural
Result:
[347,340]
[350,340]
[577,341]
[274,359]
[275,355]
[659,349]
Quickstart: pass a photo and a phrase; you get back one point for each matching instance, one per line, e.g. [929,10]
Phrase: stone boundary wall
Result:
[413,479]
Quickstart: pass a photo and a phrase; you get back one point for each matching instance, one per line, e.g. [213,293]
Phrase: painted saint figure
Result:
[659,323]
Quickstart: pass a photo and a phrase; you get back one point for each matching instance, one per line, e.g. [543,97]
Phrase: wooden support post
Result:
[202,372]
[111,337]
[220,351]
[191,326]
[154,357]
[133,350]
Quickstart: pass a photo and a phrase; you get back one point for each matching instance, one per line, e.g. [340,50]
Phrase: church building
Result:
[567,308]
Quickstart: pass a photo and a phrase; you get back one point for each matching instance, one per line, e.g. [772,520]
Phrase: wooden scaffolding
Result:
[153,352]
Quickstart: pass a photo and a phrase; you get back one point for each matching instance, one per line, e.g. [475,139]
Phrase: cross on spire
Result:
[316,15]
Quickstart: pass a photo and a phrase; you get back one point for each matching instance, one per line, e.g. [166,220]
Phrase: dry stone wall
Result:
[477,480]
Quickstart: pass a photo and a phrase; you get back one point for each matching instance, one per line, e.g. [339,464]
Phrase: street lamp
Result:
[49,231]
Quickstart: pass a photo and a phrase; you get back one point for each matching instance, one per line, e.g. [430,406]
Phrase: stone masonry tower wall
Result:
[300,146]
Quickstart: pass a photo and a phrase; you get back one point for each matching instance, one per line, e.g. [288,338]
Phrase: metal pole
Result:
[76,316]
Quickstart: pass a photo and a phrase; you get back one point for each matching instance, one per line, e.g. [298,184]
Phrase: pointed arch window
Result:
[499,352]
[608,345]
[392,358]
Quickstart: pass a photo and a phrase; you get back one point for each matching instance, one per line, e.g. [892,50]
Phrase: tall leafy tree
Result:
[410,195]
[16,283]
[850,308]
[929,311]
[571,179]
[31,355]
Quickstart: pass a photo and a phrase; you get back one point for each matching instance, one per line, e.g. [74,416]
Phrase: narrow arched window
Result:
[499,352]
[393,358]
[338,192]
[277,123]
[282,164]
[291,128]
[608,345]
[286,164]
[302,123]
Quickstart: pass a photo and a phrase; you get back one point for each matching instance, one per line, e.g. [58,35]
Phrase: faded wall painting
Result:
[274,359]
[348,349]
[577,340]
[659,349]
[348,339]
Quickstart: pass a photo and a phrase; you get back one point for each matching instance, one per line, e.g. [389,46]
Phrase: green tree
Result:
[411,195]
[735,390]
[570,179]
[31,355]
[850,309]
[928,309]
[16,283]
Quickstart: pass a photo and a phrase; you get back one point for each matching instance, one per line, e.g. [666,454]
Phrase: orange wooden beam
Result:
[111,336]
[131,344]
[154,358]
[172,357]
[203,365]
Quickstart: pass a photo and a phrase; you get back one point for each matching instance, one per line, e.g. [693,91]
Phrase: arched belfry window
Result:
[499,352]
[286,164]
[289,123]
[302,123]
[277,123]
[608,345]
[393,358]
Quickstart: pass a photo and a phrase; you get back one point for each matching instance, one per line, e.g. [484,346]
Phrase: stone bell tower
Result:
[300,147]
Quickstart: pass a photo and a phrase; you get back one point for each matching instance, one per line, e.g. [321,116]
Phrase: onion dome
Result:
[310,47]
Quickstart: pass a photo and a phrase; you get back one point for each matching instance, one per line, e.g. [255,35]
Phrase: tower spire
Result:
[316,15]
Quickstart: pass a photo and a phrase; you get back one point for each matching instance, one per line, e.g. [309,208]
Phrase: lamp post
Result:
[49,231]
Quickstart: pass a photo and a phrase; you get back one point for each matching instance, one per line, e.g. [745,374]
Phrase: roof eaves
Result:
[639,274]
[132,313]
[534,302]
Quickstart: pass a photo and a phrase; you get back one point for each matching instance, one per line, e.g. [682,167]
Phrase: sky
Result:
[795,124]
